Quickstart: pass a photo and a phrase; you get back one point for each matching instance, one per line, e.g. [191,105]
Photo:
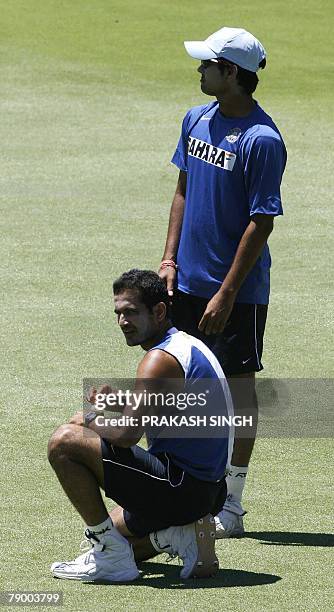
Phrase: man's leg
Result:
[75,455]
[238,349]
[194,540]
[193,543]
[229,520]
[242,348]
[242,387]
[142,547]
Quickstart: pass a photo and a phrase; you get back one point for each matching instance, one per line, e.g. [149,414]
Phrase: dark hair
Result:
[151,288]
[246,79]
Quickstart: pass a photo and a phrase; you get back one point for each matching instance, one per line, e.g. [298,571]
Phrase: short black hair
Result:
[151,288]
[247,80]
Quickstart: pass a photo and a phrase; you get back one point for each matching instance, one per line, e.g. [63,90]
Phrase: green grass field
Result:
[92,96]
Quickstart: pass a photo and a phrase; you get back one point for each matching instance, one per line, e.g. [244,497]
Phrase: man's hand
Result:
[168,275]
[92,393]
[77,419]
[217,313]
[250,247]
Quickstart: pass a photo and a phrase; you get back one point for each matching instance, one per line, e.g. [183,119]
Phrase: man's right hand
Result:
[92,393]
[168,275]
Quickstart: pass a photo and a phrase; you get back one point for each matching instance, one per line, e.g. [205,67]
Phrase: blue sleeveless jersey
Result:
[203,457]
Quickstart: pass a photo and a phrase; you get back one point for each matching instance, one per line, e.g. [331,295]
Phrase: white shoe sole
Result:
[206,564]
[110,579]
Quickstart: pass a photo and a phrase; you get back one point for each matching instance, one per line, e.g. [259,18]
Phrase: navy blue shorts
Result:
[155,493]
[239,347]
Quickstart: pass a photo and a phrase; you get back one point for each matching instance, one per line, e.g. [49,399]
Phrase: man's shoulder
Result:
[202,108]
[263,133]
[196,112]
[158,364]
[262,127]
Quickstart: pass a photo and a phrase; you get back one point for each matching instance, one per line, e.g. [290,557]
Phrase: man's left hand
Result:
[78,419]
[217,313]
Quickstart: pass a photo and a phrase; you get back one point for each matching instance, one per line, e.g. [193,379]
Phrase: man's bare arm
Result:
[174,231]
[250,248]
[155,368]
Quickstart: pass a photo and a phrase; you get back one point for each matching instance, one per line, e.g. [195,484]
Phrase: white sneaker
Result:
[194,544]
[110,559]
[229,521]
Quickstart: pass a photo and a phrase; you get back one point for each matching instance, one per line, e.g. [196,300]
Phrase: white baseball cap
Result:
[233,44]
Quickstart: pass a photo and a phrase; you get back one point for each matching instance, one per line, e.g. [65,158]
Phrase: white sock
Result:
[159,541]
[101,528]
[235,481]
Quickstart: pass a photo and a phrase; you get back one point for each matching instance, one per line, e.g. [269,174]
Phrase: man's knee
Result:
[61,443]
[72,442]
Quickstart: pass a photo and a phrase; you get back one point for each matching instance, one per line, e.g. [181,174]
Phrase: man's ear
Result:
[232,71]
[159,311]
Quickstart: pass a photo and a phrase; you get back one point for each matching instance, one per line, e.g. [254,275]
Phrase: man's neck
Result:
[236,105]
[156,339]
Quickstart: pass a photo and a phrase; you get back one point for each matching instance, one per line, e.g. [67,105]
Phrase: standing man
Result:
[231,158]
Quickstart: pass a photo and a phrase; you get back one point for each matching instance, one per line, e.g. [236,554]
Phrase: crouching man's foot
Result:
[194,544]
[109,559]
[229,521]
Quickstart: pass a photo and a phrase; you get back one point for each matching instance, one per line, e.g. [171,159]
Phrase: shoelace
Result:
[90,541]
[176,554]
[170,556]
[85,545]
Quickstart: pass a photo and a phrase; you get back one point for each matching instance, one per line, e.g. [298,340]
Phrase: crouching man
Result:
[167,496]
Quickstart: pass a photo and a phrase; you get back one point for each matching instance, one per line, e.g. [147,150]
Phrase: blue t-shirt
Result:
[234,169]
[206,457]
